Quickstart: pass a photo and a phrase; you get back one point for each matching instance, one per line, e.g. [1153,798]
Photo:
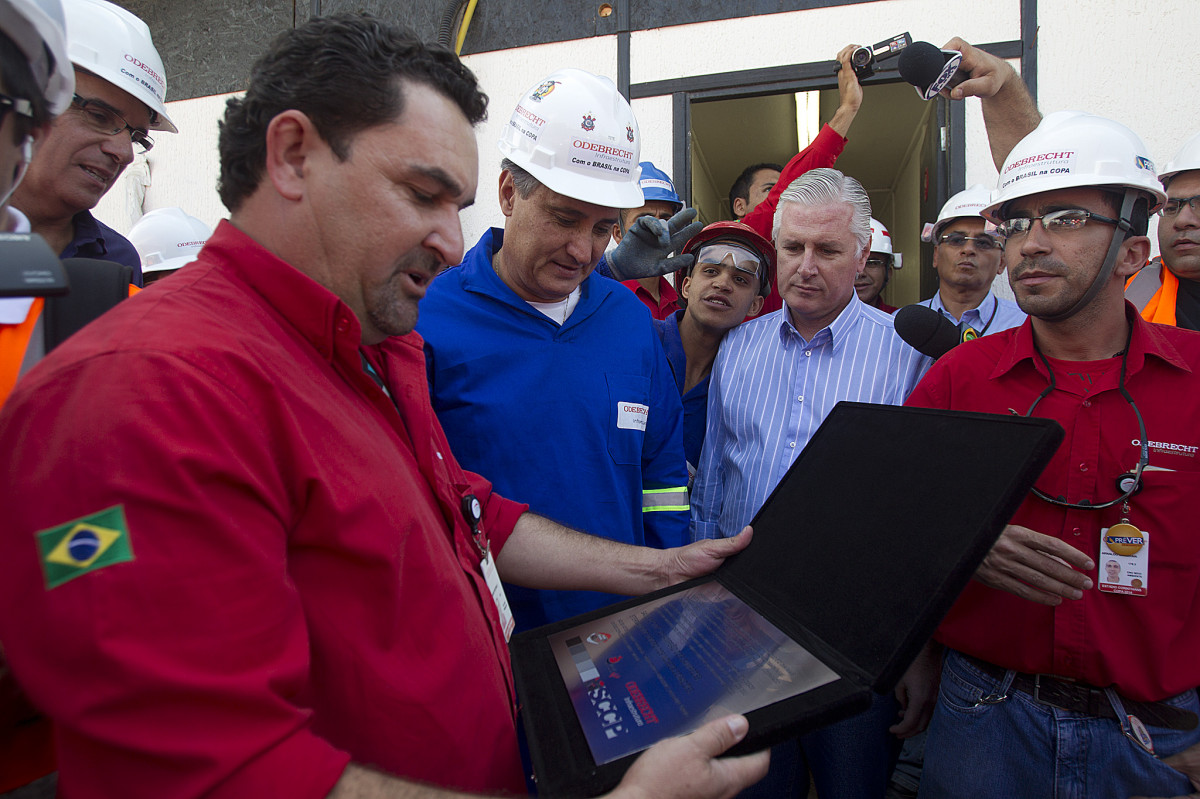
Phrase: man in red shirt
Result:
[1060,679]
[656,293]
[246,560]
[870,283]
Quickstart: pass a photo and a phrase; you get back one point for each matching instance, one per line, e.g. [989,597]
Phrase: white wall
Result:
[182,169]
[799,37]
[1120,58]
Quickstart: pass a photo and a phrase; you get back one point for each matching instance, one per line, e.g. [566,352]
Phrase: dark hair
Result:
[19,83]
[345,73]
[1139,216]
[741,186]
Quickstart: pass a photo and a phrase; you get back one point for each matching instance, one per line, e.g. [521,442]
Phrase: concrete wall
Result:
[1104,57]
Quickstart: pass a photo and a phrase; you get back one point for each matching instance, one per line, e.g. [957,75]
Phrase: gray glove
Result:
[645,247]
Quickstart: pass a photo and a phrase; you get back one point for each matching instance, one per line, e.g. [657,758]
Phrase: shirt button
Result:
[807,353]
[343,324]
[792,444]
[1087,403]
[1083,467]
[1075,530]
[800,398]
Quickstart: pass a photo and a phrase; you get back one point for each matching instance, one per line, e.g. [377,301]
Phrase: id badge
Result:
[492,578]
[1124,561]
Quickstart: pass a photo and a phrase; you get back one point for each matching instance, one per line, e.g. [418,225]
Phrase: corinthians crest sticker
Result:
[589,123]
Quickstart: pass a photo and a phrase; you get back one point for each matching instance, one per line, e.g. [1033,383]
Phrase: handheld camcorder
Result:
[863,59]
[29,268]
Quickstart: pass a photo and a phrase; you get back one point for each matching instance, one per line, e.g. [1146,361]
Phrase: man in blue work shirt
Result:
[545,376]
[775,379]
[734,271]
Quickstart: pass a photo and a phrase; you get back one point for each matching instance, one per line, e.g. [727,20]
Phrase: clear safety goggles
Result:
[742,259]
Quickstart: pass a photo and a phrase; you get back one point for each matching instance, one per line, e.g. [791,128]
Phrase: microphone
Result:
[927,331]
[929,69]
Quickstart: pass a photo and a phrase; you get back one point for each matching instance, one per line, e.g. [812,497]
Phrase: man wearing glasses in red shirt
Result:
[1058,681]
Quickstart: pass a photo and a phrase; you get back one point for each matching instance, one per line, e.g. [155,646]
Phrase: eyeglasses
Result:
[984,243]
[1054,222]
[742,259]
[17,105]
[1173,207]
[879,263]
[102,119]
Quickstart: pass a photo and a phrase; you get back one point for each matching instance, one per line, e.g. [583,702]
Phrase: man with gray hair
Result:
[774,381]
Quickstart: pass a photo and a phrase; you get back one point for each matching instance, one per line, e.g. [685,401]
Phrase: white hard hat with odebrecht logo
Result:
[115,45]
[577,135]
[1071,149]
[168,238]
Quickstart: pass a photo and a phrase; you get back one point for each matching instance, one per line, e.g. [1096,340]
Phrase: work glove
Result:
[645,247]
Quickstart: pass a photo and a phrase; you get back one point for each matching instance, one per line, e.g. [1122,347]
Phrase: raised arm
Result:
[1009,112]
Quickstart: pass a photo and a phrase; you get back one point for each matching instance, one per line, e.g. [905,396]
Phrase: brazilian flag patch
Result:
[84,545]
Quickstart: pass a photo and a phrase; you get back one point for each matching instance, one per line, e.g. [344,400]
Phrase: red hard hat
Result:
[741,234]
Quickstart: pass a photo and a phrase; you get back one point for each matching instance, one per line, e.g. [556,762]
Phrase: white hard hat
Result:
[113,44]
[881,241]
[37,27]
[968,202]
[577,135]
[1186,159]
[168,238]
[1071,149]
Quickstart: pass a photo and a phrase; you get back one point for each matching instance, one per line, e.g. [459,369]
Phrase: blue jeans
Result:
[1014,746]
[849,759]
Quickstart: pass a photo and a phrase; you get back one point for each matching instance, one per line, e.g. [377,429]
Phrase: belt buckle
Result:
[1042,694]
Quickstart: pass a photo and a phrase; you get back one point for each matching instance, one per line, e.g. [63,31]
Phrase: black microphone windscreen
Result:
[920,64]
[926,331]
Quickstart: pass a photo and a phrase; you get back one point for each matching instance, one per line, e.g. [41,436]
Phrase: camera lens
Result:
[860,57]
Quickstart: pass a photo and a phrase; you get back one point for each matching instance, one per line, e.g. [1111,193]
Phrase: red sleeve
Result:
[499,514]
[174,673]
[823,152]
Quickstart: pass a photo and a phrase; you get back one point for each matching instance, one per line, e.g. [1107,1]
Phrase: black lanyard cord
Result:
[1143,457]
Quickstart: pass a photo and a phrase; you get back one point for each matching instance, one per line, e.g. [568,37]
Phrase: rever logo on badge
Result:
[632,415]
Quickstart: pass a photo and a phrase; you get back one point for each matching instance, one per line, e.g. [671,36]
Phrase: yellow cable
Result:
[462,29]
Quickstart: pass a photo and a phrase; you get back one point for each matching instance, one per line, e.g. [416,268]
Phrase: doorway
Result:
[898,149]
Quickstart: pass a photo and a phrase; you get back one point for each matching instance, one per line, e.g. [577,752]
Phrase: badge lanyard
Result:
[472,511]
[981,333]
[1129,483]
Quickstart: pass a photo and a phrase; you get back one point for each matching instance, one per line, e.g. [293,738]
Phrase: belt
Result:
[1079,697]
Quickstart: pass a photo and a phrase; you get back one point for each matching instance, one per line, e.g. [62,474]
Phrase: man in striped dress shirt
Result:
[774,381]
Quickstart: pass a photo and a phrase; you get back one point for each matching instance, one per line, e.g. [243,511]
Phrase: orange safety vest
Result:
[1153,291]
[14,342]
